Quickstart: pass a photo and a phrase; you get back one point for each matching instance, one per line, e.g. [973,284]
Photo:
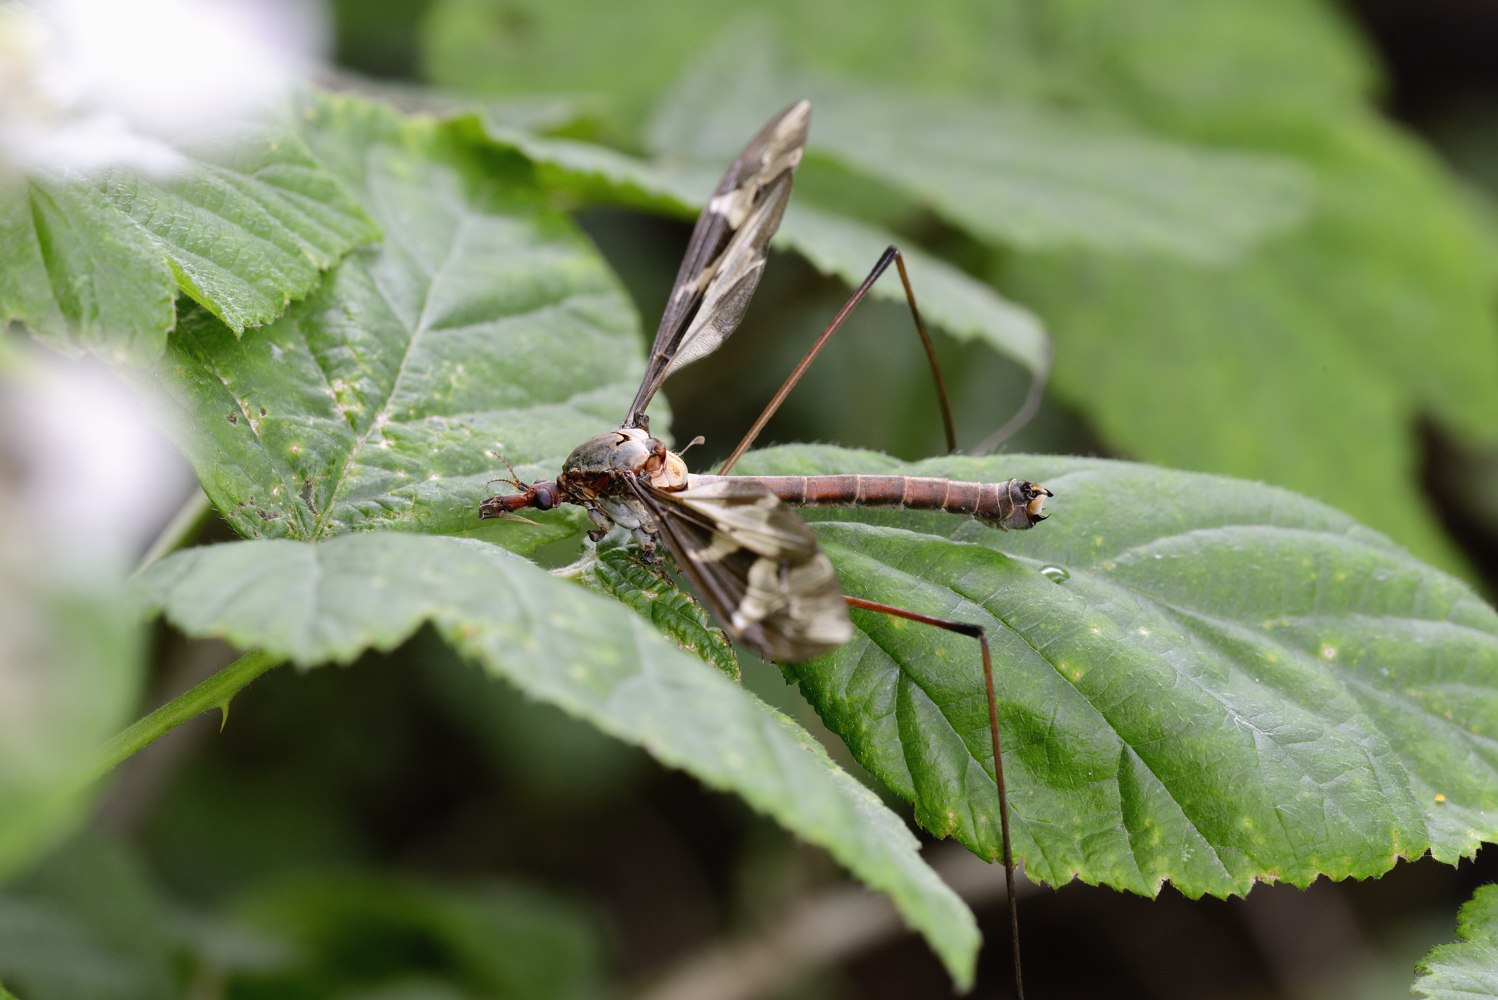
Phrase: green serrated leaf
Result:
[560,644]
[249,226]
[1467,968]
[484,326]
[1225,683]
[79,275]
[615,570]
[95,264]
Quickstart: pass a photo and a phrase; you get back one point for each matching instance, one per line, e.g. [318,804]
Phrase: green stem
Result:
[212,693]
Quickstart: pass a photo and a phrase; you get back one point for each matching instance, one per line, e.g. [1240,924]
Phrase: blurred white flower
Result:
[90,84]
[86,479]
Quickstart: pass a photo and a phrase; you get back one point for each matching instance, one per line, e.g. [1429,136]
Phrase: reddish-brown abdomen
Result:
[1015,503]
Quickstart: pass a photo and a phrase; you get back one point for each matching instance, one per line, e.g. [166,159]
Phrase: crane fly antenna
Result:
[513,479]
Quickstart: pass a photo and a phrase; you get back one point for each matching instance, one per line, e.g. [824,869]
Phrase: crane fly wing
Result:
[756,564]
[726,254]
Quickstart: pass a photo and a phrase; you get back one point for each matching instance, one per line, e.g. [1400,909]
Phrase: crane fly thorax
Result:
[595,465]
[593,476]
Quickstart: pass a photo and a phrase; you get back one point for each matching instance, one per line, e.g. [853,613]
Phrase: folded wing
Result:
[756,564]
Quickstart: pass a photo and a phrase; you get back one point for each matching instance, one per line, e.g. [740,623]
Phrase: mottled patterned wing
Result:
[726,254]
[756,564]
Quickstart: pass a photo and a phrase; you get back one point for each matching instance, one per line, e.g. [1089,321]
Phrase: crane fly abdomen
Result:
[1014,504]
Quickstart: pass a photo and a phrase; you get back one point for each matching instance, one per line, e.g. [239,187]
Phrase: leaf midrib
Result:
[381,416]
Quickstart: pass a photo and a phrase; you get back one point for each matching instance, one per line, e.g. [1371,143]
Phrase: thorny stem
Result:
[212,693]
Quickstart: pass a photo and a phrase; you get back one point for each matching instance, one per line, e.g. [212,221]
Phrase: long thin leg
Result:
[890,255]
[979,633]
[1025,412]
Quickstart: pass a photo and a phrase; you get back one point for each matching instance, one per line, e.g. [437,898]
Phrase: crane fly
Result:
[753,561]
